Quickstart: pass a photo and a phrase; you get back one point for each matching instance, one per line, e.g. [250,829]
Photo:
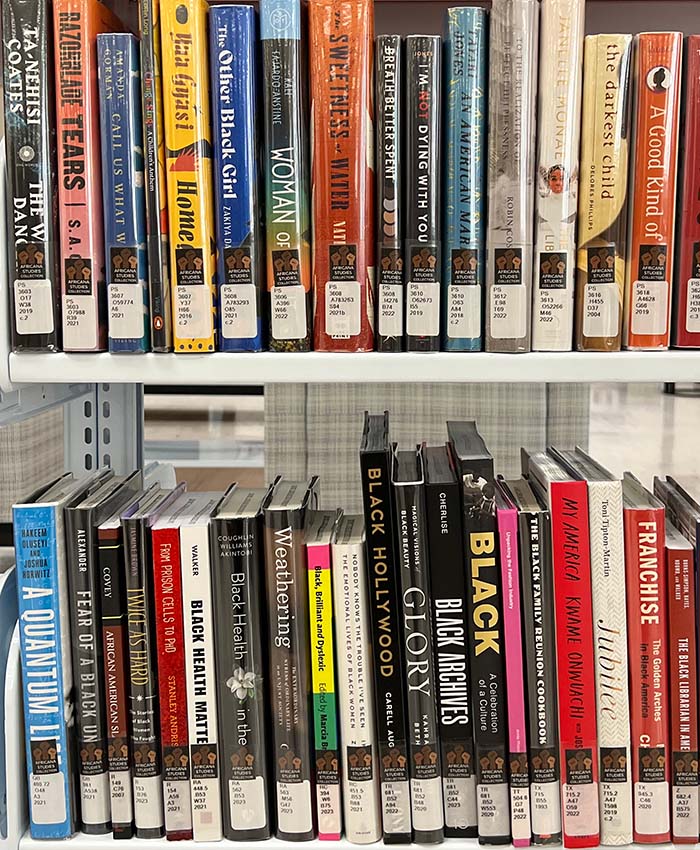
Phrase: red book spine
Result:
[575,663]
[172,692]
[645,567]
[683,680]
[687,285]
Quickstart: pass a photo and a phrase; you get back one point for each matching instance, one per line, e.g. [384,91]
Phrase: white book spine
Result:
[361,798]
[559,130]
[610,633]
[201,682]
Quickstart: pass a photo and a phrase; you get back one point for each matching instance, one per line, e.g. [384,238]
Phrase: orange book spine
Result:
[341,35]
[652,222]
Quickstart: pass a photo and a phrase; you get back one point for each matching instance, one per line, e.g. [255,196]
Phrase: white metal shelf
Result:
[317,367]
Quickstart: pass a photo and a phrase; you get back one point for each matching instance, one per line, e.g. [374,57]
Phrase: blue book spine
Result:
[46,675]
[124,192]
[233,56]
[463,253]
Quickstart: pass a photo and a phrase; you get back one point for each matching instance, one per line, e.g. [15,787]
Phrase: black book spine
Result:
[88,661]
[241,675]
[423,241]
[424,747]
[143,681]
[390,248]
[386,618]
[30,139]
[451,628]
[539,639]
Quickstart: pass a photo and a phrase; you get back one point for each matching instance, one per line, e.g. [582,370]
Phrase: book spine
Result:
[657,68]
[424,747]
[464,172]
[155,180]
[46,672]
[683,677]
[450,629]
[423,246]
[201,683]
[686,326]
[602,210]
[520,821]
[539,632]
[116,681]
[385,615]
[611,674]
[76,26]
[233,50]
[287,231]
[325,700]
[361,799]
[88,661]
[124,195]
[341,38]
[488,672]
[290,674]
[241,676]
[188,159]
[389,212]
[559,131]
[648,676]
[30,143]
[573,607]
[172,688]
[513,37]
[143,687]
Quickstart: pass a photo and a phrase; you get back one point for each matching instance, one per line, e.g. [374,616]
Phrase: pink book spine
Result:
[517,722]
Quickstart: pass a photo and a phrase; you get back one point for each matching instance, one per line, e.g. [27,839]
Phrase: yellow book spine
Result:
[189,173]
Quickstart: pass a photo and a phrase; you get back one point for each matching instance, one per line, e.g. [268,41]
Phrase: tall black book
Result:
[475,468]
[30,140]
[236,539]
[423,239]
[451,629]
[385,614]
[407,478]
[389,162]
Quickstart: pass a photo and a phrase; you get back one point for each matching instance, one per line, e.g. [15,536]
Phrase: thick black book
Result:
[387,629]
[407,479]
[389,163]
[448,587]
[475,468]
[30,140]
[423,256]
[238,586]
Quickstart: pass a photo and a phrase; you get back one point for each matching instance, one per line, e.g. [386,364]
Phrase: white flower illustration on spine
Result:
[241,684]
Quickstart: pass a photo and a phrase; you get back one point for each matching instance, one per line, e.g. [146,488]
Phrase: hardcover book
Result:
[319,534]
[341,38]
[84,296]
[464,222]
[188,162]
[290,663]
[287,226]
[448,590]
[383,569]
[602,209]
[474,466]
[123,193]
[423,251]
[559,129]
[389,214]
[657,73]
[30,145]
[513,52]
[233,51]
[361,799]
